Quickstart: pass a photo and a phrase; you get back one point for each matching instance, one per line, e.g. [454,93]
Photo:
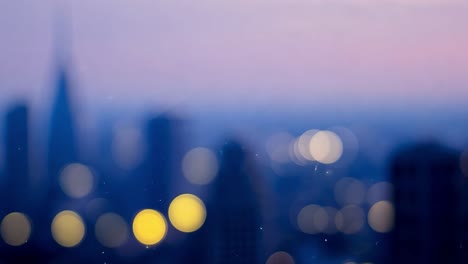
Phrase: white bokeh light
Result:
[76,180]
[381,217]
[303,144]
[312,219]
[295,154]
[350,219]
[326,147]
[200,166]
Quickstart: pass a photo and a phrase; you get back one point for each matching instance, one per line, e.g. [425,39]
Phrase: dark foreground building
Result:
[427,197]
[235,222]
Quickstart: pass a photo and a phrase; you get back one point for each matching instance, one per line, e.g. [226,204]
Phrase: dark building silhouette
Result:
[17,183]
[62,148]
[162,158]
[150,185]
[427,182]
[464,214]
[62,144]
[234,217]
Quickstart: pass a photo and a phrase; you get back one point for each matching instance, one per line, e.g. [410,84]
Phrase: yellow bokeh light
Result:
[149,227]
[111,230]
[68,229]
[15,229]
[187,213]
[381,217]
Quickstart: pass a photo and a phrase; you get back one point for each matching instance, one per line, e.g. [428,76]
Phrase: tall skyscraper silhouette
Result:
[234,219]
[62,145]
[61,150]
[464,214]
[162,148]
[62,134]
[17,159]
[427,182]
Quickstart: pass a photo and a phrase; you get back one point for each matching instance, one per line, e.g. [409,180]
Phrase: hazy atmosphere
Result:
[261,53]
[234,131]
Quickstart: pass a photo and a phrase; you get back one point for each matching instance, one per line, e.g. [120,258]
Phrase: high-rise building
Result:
[234,217]
[62,144]
[427,182]
[17,185]
[464,215]
[161,159]
[62,148]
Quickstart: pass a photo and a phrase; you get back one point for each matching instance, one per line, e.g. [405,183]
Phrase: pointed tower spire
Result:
[62,30]
[62,134]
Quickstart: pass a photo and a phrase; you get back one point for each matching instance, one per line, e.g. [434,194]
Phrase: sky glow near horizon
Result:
[241,53]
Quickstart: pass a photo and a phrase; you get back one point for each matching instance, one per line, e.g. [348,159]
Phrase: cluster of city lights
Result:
[322,146]
[199,165]
[327,147]
[186,213]
[350,219]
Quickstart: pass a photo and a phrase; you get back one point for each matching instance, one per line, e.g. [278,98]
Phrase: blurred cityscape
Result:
[144,194]
[172,187]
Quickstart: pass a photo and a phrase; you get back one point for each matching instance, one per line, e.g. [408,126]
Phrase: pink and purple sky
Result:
[242,53]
